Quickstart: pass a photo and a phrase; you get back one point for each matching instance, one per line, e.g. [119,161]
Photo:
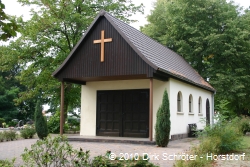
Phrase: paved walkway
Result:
[158,155]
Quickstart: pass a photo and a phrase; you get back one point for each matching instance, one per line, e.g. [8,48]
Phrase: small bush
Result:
[222,138]
[28,132]
[57,152]
[12,124]
[54,124]
[9,135]
[227,135]
[54,152]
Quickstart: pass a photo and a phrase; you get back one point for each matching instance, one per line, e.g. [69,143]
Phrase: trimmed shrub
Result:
[28,132]
[40,121]
[163,123]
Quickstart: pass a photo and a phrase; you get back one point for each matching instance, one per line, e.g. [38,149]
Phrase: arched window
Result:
[190,100]
[179,102]
[199,106]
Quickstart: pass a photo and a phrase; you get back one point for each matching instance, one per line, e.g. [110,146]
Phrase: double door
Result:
[123,113]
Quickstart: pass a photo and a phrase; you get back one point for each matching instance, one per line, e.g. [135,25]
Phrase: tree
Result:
[213,36]
[9,90]
[8,26]
[46,40]
[40,121]
[163,123]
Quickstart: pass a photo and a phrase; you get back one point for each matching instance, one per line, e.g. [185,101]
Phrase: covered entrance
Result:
[123,113]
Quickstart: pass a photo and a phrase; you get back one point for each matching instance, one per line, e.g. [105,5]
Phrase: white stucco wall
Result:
[179,122]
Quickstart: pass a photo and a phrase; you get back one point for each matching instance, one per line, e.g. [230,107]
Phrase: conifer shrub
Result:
[40,121]
[163,123]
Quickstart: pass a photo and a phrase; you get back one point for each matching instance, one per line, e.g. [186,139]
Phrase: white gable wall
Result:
[180,120]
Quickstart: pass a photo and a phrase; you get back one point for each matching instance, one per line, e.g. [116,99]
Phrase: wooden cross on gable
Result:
[102,41]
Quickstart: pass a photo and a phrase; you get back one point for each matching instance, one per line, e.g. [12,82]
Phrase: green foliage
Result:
[12,124]
[244,124]
[2,137]
[54,152]
[28,132]
[10,135]
[47,38]
[105,161]
[224,137]
[7,163]
[9,90]
[213,36]
[54,123]
[1,121]
[57,152]
[8,26]
[40,121]
[163,123]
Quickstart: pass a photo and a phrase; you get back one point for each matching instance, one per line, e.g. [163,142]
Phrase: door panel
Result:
[123,113]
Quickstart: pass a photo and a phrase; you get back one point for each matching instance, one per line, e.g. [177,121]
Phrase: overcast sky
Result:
[12,7]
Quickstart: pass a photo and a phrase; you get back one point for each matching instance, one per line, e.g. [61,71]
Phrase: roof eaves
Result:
[211,89]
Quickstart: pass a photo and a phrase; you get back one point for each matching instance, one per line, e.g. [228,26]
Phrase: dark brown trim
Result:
[75,81]
[62,109]
[160,76]
[151,110]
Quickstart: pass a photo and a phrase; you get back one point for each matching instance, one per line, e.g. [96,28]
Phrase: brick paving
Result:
[11,149]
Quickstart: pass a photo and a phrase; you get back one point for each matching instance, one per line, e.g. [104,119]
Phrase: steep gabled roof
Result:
[153,53]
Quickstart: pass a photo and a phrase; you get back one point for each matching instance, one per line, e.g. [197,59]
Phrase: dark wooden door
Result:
[123,113]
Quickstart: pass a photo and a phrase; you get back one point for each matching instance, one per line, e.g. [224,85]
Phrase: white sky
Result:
[12,7]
